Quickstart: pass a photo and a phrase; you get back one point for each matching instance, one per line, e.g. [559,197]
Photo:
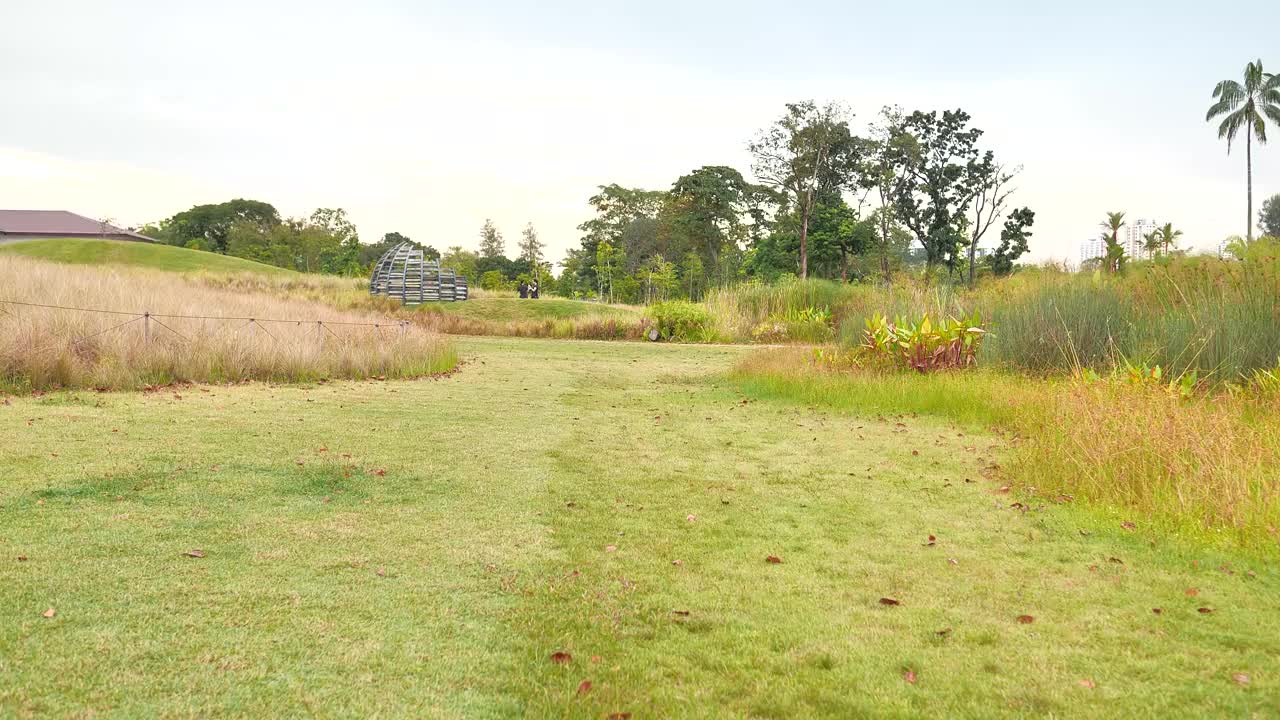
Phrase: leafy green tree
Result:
[625,218]
[491,243]
[531,251]
[1247,105]
[705,210]
[807,153]
[493,280]
[692,273]
[463,262]
[1013,241]
[206,226]
[1115,257]
[660,279]
[1269,218]
[610,262]
[941,170]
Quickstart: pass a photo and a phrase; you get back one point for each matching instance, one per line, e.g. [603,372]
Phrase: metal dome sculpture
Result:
[403,273]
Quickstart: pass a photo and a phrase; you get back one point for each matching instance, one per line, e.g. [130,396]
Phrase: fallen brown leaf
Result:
[620,716]
[909,676]
[382,572]
[1204,610]
[1192,592]
[49,613]
[773,560]
[610,548]
[931,541]
[1026,619]
[595,658]
[561,657]
[677,562]
[889,601]
[681,613]
[1087,683]
[194,553]
[1240,678]
[22,558]
[584,687]
[944,632]
[1157,611]
[691,517]
[1128,525]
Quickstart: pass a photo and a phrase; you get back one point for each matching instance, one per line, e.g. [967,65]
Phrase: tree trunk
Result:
[884,246]
[973,251]
[804,234]
[1248,162]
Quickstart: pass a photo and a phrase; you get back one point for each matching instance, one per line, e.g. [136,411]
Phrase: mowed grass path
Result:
[421,549]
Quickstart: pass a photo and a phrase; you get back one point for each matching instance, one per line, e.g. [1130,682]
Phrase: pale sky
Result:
[428,117]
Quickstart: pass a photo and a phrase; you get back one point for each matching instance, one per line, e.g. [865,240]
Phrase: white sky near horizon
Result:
[426,118]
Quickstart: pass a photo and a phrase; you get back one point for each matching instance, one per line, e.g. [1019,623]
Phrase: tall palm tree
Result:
[1111,235]
[1247,106]
[1168,236]
[1151,243]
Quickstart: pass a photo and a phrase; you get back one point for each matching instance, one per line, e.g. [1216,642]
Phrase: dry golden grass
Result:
[42,348]
[1205,465]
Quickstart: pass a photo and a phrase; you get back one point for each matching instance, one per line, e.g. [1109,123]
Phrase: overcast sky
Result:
[428,117]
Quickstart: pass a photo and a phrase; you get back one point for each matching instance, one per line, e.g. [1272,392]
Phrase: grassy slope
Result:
[123,252]
[441,588]
[500,309]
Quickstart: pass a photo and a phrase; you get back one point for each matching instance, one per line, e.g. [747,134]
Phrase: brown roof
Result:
[56,222]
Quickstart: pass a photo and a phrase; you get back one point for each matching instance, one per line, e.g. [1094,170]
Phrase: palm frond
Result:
[1273,112]
[1230,126]
[1228,91]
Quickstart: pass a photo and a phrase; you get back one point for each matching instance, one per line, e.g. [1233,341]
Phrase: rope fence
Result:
[252,323]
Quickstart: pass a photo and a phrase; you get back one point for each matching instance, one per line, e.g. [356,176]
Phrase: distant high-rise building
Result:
[1092,249]
[1134,238]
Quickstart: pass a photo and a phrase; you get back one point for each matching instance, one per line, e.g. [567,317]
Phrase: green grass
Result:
[123,252]
[421,549]
[501,309]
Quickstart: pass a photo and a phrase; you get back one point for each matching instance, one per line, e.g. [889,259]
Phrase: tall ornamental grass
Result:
[45,348]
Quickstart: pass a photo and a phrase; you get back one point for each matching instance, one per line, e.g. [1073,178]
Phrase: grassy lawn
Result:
[501,309]
[124,252]
[422,549]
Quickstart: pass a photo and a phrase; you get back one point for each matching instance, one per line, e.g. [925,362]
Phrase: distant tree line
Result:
[324,242]
[914,191]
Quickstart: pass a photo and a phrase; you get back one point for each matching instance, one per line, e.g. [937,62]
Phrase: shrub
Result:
[924,346]
[682,321]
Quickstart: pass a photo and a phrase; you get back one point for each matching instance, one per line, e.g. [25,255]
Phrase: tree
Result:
[941,170]
[988,206]
[626,218]
[531,251]
[888,147]
[1013,241]
[1167,237]
[1249,106]
[609,267]
[704,211]
[692,273]
[1111,236]
[206,226]
[1151,243]
[1269,218]
[462,262]
[808,152]
[660,279]
[491,243]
